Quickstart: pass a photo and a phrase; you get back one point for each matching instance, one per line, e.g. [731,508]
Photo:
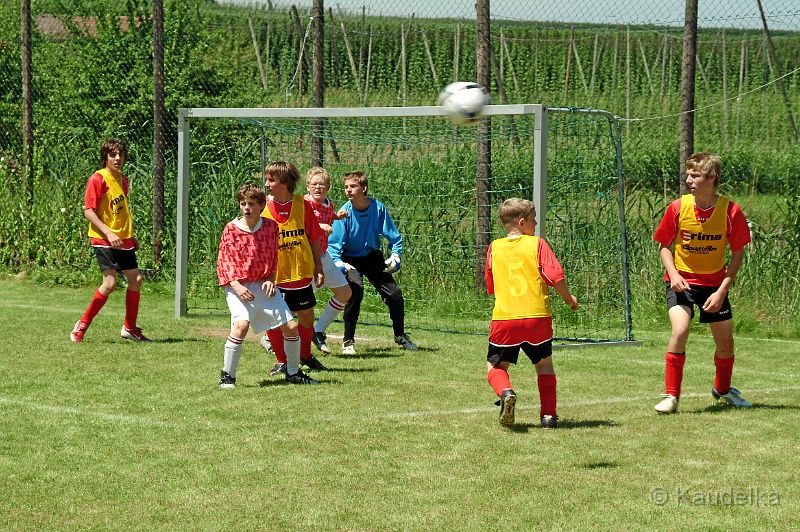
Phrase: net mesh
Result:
[423,169]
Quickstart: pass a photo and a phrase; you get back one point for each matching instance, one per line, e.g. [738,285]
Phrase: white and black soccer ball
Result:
[464,102]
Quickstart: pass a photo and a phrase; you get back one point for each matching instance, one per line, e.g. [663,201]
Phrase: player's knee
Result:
[289,328]
[343,294]
[240,329]
[392,294]
[109,284]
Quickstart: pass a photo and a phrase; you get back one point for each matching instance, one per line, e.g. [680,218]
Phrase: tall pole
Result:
[483,177]
[317,152]
[687,86]
[158,129]
[27,100]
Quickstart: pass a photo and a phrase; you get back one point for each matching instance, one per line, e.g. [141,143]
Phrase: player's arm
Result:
[715,300]
[268,285]
[315,234]
[676,281]
[488,275]
[553,274]
[562,290]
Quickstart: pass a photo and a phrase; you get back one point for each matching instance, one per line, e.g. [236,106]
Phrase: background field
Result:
[113,434]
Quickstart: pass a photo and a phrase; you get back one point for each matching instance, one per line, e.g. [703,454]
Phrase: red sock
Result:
[673,373]
[131,309]
[276,339]
[97,302]
[305,341]
[498,380]
[547,394]
[722,380]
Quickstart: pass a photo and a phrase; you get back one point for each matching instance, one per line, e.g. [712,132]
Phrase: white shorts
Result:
[263,313]
[334,278]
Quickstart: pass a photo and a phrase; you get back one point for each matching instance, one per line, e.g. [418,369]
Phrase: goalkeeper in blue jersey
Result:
[355,247]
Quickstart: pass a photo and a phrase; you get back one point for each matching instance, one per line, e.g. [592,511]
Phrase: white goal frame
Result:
[538,111]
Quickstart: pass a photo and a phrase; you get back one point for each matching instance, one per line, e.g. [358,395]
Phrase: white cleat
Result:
[668,405]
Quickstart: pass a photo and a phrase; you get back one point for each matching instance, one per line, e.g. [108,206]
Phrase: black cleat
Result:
[549,422]
[277,369]
[300,378]
[507,401]
[226,382]
[319,340]
[314,364]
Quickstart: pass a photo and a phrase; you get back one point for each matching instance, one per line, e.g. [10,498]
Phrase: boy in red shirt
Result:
[519,268]
[299,263]
[246,267]
[111,235]
[699,226]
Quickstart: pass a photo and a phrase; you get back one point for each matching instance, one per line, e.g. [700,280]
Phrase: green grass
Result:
[114,434]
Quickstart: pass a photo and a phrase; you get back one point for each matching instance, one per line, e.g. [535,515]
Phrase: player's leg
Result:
[108,268]
[233,352]
[392,297]
[133,276]
[352,310]
[291,346]
[498,359]
[680,307]
[723,362]
[541,356]
[337,282]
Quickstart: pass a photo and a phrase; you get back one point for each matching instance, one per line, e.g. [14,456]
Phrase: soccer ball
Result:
[464,101]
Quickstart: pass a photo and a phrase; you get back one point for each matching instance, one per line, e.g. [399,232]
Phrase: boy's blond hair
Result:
[250,191]
[513,209]
[708,164]
[284,172]
[359,176]
[318,171]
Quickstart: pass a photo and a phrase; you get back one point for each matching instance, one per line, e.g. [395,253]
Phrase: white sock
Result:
[291,344]
[233,350]
[333,308]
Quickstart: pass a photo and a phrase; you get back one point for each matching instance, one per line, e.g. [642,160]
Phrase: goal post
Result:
[422,168]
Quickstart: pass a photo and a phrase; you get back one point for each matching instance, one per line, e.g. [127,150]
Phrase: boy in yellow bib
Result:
[111,236]
[519,268]
[692,237]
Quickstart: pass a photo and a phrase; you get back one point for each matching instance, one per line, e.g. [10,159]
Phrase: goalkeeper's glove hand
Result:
[344,266]
[392,263]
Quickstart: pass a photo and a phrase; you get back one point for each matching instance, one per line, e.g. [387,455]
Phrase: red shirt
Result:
[738,234]
[532,330]
[281,213]
[324,214]
[246,255]
[96,188]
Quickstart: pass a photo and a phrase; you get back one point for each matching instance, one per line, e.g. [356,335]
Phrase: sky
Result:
[781,14]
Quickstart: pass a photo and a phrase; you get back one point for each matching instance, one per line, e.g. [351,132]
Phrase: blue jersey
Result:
[359,233]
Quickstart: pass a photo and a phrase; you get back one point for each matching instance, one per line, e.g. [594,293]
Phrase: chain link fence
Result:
[92,77]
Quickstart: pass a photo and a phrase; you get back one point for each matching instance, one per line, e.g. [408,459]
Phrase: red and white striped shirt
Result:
[246,255]
[324,213]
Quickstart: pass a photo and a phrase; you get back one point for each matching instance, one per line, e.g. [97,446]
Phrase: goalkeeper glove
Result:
[392,263]
[344,266]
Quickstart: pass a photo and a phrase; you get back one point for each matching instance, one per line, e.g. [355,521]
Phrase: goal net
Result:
[424,169]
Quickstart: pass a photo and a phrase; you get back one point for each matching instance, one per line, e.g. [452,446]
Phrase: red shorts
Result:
[514,332]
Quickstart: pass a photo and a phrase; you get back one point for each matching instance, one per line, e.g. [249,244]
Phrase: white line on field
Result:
[131,419]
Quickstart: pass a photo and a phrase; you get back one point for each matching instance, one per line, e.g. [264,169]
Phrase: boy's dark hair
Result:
[512,209]
[113,145]
[708,164]
[250,191]
[361,177]
[284,172]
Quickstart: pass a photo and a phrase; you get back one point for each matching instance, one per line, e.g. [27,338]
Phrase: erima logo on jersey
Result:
[292,233]
[117,200]
[687,236]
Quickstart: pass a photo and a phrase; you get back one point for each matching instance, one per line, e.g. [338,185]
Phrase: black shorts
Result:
[510,353]
[299,298]
[697,295]
[116,259]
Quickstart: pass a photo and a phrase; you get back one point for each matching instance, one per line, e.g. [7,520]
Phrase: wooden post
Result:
[27,101]
[614,63]
[483,177]
[258,54]
[317,148]
[595,59]
[725,106]
[579,66]
[361,38]
[267,55]
[687,87]
[535,74]
[430,59]
[569,66]
[628,92]
[511,66]
[351,59]
[665,45]
[302,60]
[456,52]
[646,68]
[777,67]
[501,91]
[369,62]
[158,130]
[403,66]
[742,77]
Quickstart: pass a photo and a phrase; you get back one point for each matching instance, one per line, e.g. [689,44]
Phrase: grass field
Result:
[111,434]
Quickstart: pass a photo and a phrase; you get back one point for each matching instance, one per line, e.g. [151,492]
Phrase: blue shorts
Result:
[697,295]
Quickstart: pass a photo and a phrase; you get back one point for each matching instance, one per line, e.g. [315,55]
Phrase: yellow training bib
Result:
[700,247]
[295,259]
[113,209]
[519,290]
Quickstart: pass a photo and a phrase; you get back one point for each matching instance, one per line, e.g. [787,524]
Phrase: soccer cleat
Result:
[277,369]
[313,363]
[265,343]
[348,347]
[300,378]
[733,398]
[507,401]
[134,334]
[405,342]
[549,422]
[668,405]
[226,382]
[319,339]
[78,331]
